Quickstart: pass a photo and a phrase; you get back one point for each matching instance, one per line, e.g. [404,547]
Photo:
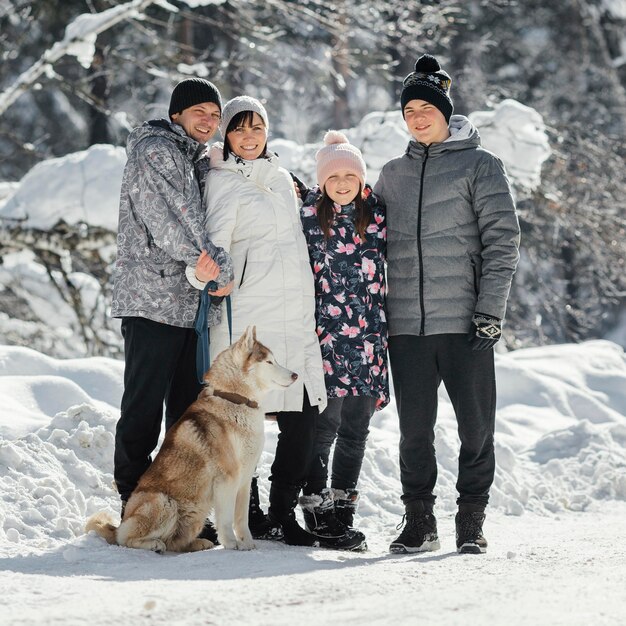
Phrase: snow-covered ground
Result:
[555,526]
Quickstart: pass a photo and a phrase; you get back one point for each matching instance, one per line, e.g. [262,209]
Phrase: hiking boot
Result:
[469,532]
[321,521]
[209,532]
[259,523]
[346,503]
[283,501]
[420,530]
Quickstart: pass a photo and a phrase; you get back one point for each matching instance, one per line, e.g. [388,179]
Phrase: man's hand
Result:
[206,268]
[224,291]
[485,332]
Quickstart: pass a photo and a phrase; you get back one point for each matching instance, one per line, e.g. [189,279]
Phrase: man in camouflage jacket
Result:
[160,232]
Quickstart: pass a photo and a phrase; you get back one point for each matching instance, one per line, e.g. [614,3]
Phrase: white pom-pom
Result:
[334,136]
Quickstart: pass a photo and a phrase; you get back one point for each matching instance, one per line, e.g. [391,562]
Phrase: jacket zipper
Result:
[419,244]
[243,273]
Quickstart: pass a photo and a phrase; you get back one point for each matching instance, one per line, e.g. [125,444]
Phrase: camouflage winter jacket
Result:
[161,226]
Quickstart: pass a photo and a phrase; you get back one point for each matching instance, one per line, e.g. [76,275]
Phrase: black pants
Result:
[160,368]
[295,445]
[348,420]
[418,365]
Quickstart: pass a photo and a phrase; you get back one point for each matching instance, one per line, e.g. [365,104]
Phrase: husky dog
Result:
[206,461]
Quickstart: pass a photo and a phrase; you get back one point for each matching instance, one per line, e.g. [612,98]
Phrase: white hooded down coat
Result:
[252,211]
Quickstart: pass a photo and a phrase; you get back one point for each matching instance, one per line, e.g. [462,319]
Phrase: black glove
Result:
[485,331]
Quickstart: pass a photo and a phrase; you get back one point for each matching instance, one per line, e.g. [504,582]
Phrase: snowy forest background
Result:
[318,65]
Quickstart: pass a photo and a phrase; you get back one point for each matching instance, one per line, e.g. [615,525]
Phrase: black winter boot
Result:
[420,530]
[283,500]
[209,532]
[260,525]
[346,503]
[469,530]
[321,521]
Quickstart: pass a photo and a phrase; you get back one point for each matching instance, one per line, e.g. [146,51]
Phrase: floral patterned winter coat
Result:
[350,289]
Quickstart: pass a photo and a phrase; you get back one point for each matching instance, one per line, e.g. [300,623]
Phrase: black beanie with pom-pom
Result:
[429,83]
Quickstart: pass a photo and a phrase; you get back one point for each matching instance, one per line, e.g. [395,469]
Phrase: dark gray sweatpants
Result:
[418,365]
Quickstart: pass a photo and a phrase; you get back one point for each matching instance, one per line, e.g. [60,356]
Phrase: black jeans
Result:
[348,420]
[295,445]
[160,368]
[418,365]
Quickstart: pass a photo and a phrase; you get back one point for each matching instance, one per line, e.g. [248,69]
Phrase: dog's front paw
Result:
[246,544]
[158,546]
[229,543]
[200,544]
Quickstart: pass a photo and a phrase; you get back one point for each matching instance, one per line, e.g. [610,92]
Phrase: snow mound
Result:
[82,187]
[517,134]
[560,442]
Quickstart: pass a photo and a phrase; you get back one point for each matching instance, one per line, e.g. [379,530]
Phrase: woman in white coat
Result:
[252,212]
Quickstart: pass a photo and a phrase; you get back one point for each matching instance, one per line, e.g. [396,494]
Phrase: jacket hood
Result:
[463,135]
[166,129]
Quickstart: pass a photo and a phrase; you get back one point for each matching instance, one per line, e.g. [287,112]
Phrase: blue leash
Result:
[203,354]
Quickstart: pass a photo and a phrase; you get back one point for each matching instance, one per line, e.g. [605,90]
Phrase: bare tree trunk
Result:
[341,71]
[98,119]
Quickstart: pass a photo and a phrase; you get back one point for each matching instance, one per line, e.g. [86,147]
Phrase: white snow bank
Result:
[517,134]
[561,435]
[80,187]
[561,441]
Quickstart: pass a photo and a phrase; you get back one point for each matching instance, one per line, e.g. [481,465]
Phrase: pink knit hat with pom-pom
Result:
[338,154]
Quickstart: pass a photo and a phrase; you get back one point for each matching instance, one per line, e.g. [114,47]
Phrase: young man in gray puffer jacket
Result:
[452,250]
[160,232]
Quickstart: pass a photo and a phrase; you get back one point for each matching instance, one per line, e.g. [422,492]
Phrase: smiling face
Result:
[425,122]
[342,186]
[248,140]
[199,121]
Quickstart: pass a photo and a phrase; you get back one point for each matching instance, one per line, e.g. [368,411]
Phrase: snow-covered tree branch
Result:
[79,41]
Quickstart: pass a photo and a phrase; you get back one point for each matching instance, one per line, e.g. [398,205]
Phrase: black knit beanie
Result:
[429,83]
[193,91]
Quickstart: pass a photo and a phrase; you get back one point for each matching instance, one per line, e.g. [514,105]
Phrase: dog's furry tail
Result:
[102,523]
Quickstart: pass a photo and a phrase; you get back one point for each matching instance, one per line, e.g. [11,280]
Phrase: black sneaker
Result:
[418,535]
[321,521]
[469,532]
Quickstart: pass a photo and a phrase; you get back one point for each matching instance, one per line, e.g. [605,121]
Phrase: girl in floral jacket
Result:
[344,225]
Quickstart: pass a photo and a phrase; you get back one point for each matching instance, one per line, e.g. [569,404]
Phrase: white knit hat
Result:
[238,105]
[338,154]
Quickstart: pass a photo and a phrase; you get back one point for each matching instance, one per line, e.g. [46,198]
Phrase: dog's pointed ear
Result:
[254,333]
[248,337]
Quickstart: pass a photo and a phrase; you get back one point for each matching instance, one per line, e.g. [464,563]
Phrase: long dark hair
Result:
[326,213]
[243,118]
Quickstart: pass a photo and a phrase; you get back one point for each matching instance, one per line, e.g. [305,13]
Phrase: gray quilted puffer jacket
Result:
[161,226]
[452,234]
